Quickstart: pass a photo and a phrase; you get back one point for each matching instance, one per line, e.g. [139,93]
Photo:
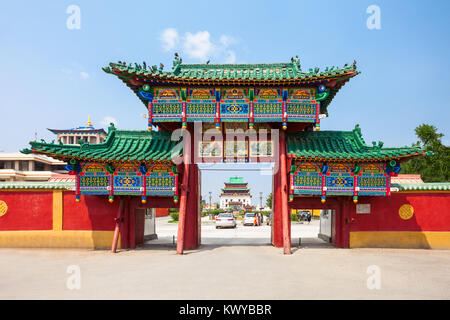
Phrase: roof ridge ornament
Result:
[111,127]
[357,129]
[296,62]
[176,64]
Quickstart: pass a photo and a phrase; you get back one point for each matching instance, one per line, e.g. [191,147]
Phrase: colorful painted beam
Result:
[234,104]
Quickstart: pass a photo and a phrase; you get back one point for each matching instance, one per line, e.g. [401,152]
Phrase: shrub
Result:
[205,213]
[216,211]
[294,217]
[174,216]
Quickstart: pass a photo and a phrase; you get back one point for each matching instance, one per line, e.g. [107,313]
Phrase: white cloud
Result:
[231,57]
[169,39]
[227,40]
[198,45]
[84,75]
[107,120]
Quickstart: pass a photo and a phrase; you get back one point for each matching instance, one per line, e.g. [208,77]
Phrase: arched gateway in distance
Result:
[249,113]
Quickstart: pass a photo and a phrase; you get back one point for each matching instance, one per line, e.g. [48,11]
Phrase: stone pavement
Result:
[231,264]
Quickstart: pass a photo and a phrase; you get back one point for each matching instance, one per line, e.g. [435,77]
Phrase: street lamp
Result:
[210,200]
[260,200]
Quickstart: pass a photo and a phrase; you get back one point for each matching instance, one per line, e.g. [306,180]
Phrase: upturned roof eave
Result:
[77,130]
[107,151]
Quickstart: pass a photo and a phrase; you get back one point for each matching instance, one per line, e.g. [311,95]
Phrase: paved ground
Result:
[241,235]
[231,264]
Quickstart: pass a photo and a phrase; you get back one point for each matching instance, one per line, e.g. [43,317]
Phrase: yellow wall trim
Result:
[400,239]
[57,239]
[57,210]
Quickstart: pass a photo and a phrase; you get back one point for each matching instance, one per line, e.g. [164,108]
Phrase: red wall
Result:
[431,213]
[91,213]
[27,210]
[161,212]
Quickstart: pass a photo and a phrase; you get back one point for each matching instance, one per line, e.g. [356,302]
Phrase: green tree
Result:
[269,200]
[435,168]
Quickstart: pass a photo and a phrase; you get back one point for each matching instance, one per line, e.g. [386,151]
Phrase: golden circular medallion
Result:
[406,211]
[3,208]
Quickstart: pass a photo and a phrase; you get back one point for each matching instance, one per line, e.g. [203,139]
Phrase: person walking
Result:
[308,217]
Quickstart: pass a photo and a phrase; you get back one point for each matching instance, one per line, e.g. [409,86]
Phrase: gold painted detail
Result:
[406,211]
[3,208]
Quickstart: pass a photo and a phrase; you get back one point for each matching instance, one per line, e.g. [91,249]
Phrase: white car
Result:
[249,219]
[225,220]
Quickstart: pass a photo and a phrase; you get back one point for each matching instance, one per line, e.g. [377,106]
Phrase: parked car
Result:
[225,220]
[249,219]
[303,215]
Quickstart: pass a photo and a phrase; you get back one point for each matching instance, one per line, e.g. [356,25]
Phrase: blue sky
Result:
[52,77]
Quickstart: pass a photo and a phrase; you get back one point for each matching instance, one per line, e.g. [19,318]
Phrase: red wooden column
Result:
[286,220]
[277,226]
[125,230]
[192,227]
[119,219]
[193,215]
[184,191]
[131,224]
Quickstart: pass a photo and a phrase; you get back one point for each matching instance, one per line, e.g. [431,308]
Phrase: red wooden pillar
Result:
[338,224]
[125,229]
[117,230]
[286,220]
[132,225]
[193,215]
[184,191]
[277,226]
[347,202]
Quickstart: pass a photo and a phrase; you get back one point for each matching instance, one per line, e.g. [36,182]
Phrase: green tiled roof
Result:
[37,185]
[242,72]
[260,74]
[236,180]
[431,186]
[342,145]
[119,146]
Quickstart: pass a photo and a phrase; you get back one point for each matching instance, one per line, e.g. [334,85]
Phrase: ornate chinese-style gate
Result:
[275,106]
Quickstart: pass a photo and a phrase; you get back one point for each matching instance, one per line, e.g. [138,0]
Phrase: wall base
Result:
[57,239]
[324,237]
[400,239]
